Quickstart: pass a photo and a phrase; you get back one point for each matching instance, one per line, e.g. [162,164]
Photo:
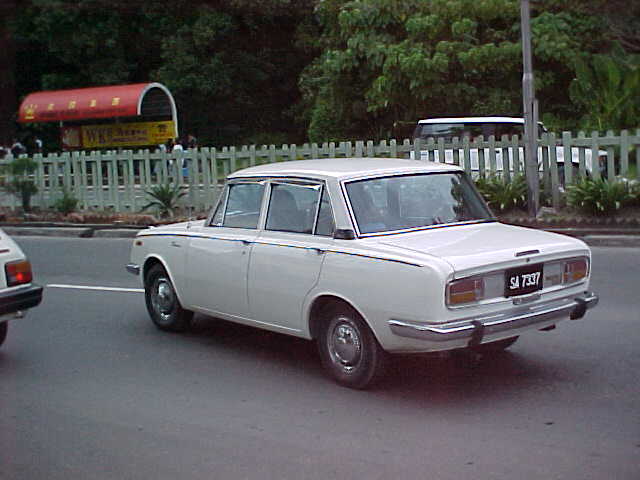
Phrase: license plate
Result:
[523,280]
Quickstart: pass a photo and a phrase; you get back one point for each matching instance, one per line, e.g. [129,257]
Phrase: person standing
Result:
[17,148]
[178,152]
[177,146]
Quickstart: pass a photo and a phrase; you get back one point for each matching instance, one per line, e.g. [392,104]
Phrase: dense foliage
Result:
[504,195]
[246,71]
[231,65]
[19,180]
[600,197]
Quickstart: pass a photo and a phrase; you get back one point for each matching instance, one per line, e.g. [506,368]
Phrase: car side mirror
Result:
[344,234]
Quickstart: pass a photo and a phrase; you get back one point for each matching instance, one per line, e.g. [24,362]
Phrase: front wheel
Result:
[4,326]
[349,350]
[162,302]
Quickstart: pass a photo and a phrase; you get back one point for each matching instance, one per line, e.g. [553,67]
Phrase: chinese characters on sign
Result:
[117,135]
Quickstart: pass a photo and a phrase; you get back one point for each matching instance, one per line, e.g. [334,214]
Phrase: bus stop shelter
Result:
[141,114]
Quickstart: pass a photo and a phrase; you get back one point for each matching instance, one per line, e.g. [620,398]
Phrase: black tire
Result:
[4,327]
[162,302]
[495,347]
[349,351]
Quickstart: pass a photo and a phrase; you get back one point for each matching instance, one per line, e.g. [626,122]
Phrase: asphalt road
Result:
[89,389]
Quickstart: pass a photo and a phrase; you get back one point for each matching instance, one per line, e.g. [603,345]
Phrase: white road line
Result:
[103,289]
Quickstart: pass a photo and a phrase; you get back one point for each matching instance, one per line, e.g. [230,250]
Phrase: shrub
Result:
[634,190]
[21,184]
[164,198]
[503,195]
[599,197]
[67,203]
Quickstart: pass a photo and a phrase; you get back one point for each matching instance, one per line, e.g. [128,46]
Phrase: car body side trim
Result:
[325,250]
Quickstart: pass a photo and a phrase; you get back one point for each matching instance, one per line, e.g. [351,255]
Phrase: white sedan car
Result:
[366,257]
[17,292]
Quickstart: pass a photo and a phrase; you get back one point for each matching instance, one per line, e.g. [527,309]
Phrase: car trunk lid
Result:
[477,248]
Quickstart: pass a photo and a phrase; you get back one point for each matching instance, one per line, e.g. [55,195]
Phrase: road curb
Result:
[49,231]
[72,232]
[630,241]
[595,238]
[115,233]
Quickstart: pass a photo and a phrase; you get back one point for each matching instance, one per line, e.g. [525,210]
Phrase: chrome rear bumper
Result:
[476,328]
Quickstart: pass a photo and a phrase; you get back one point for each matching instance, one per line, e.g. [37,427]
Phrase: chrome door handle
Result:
[175,244]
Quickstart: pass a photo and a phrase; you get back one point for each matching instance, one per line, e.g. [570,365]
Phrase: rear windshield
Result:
[448,131]
[412,201]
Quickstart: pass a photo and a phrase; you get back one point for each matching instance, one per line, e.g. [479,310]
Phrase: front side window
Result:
[293,207]
[218,216]
[242,205]
[413,201]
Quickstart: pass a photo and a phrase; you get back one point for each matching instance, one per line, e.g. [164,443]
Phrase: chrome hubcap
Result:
[163,298]
[345,346]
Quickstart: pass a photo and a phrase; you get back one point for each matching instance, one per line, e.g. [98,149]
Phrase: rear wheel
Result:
[348,349]
[4,326]
[162,302]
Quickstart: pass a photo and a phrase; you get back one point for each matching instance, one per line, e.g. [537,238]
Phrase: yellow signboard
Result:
[127,134]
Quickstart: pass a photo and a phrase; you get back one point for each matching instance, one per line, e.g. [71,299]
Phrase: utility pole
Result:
[530,125]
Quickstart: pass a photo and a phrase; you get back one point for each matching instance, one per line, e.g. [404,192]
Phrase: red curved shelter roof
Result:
[85,103]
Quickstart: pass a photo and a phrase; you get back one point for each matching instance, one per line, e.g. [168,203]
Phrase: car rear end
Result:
[18,293]
[510,280]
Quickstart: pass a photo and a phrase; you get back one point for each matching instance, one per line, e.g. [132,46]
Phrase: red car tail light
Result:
[18,273]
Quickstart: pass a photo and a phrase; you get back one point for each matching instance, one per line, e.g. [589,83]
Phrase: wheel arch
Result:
[322,301]
[153,260]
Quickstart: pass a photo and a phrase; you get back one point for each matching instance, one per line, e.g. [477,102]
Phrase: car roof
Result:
[342,168]
[519,120]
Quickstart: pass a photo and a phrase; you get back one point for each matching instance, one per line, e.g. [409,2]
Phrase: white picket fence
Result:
[118,180]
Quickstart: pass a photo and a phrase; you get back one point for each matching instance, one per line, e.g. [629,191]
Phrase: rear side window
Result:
[293,207]
[243,205]
[325,225]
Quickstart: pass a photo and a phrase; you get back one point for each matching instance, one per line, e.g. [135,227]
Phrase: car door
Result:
[287,256]
[218,255]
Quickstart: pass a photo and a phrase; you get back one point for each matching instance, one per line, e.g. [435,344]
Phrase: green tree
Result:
[388,61]
[608,88]
[231,64]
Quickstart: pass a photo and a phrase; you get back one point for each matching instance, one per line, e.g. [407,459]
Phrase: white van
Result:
[473,127]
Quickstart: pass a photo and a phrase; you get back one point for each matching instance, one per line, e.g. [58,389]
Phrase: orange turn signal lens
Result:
[18,273]
[465,291]
[575,270]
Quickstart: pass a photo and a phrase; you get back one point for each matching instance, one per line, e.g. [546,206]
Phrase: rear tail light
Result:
[471,290]
[468,290]
[18,273]
[575,270]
